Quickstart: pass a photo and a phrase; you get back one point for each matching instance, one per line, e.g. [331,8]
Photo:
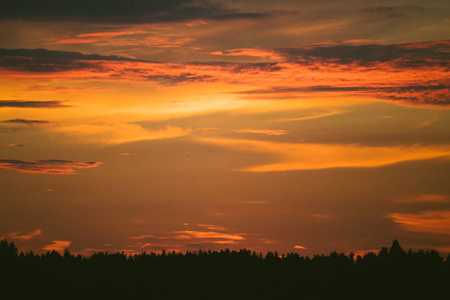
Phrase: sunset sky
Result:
[306,125]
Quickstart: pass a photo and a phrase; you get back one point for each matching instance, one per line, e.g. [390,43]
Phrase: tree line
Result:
[226,274]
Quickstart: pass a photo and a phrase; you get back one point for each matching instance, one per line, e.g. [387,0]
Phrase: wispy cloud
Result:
[26,122]
[263,131]
[141,237]
[212,227]
[124,38]
[190,234]
[25,236]
[260,53]
[118,133]
[318,116]
[32,104]
[58,167]
[308,156]
[425,221]
[11,145]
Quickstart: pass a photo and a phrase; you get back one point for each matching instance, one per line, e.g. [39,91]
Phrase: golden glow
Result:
[234,132]
[307,156]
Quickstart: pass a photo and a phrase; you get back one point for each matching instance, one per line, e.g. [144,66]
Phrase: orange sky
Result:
[306,126]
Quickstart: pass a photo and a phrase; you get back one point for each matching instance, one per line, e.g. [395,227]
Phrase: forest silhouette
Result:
[389,274]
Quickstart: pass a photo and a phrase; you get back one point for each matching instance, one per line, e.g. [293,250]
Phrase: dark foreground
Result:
[392,274]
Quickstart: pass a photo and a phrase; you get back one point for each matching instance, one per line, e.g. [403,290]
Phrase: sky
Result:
[296,126]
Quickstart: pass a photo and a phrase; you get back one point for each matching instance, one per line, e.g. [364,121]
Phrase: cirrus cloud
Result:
[425,221]
[309,156]
[54,166]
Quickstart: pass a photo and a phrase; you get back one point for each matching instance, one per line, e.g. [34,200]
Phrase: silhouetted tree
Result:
[8,251]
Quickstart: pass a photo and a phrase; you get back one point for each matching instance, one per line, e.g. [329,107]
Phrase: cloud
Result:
[318,116]
[44,61]
[123,38]
[251,52]
[26,122]
[425,221]
[142,237]
[402,55]
[93,37]
[26,236]
[11,145]
[262,131]
[121,11]
[190,234]
[212,227]
[309,156]
[119,133]
[420,94]
[300,247]
[59,167]
[57,246]
[44,53]
[412,73]
[183,77]
[31,104]
[395,10]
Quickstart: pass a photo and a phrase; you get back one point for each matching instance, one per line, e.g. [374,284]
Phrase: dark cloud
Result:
[44,53]
[53,166]
[125,11]
[32,104]
[184,77]
[26,122]
[11,145]
[395,9]
[327,88]
[404,55]
[43,60]
[420,94]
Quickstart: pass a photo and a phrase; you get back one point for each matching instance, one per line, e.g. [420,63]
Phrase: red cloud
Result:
[414,73]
